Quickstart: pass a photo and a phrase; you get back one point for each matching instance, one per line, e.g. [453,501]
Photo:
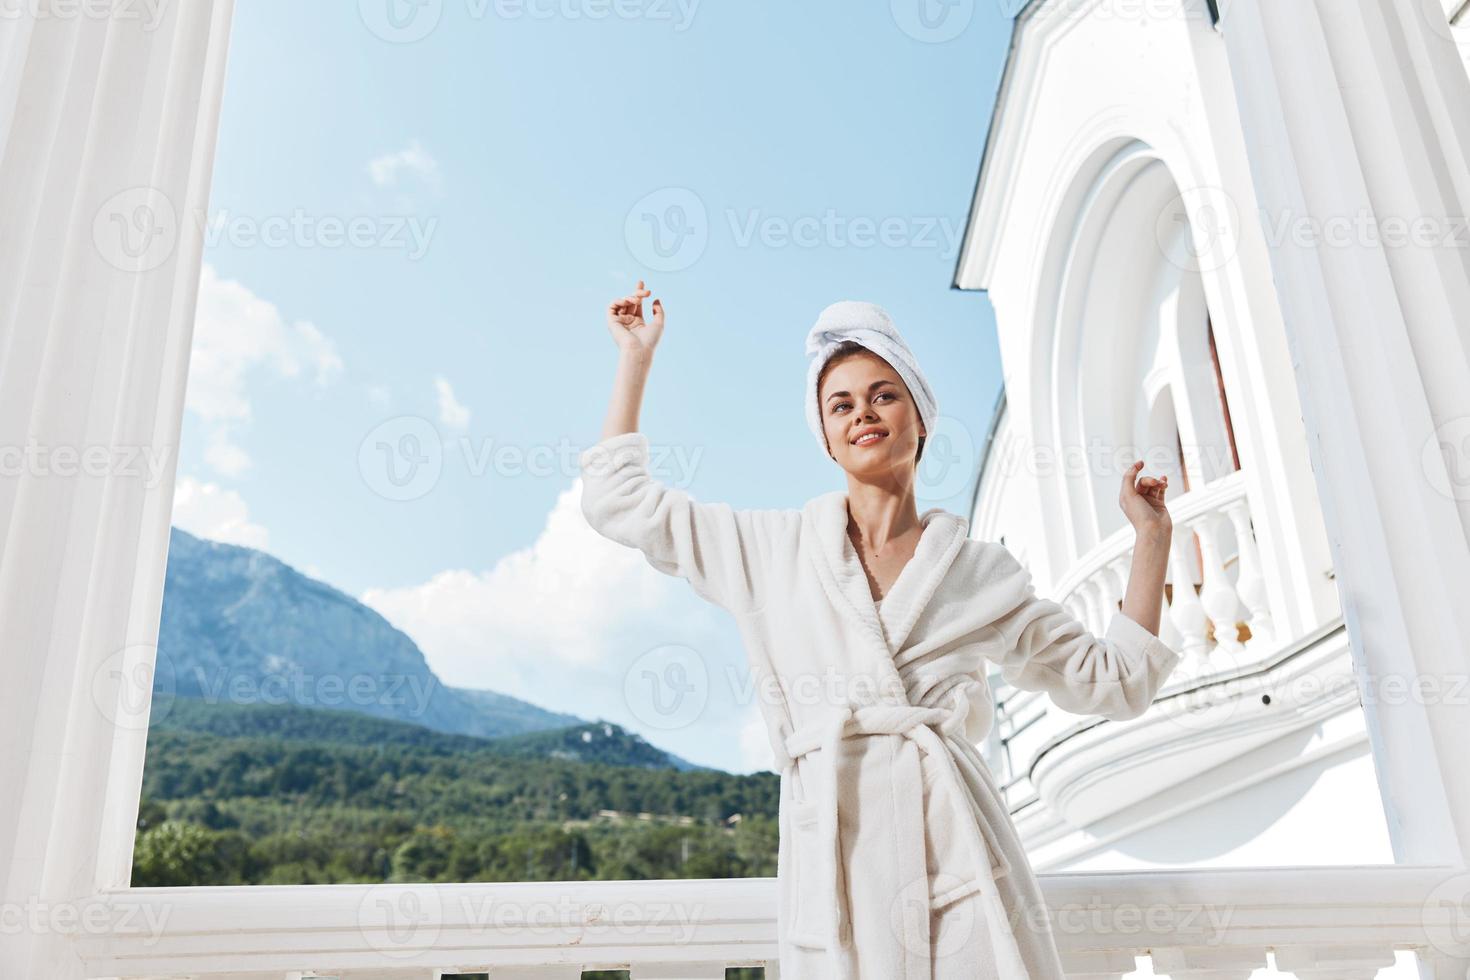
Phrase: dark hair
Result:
[842,352]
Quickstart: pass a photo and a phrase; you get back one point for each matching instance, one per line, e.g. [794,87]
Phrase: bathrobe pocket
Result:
[949,848]
[810,901]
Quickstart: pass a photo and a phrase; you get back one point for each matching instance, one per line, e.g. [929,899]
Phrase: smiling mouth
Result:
[869,439]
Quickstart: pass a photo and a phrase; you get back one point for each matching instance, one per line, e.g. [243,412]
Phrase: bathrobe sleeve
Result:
[1043,647]
[716,548]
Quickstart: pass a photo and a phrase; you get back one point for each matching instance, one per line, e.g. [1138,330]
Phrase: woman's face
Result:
[862,394]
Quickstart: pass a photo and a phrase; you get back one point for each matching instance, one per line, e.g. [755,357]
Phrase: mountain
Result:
[241,627]
[594,742]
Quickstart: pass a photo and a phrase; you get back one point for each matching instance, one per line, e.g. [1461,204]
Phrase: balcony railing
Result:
[1310,922]
[1232,588]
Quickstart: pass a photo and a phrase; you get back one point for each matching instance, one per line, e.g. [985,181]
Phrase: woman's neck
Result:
[878,515]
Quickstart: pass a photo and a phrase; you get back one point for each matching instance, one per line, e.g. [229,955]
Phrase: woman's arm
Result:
[1153,530]
[1041,646]
[636,340]
[716,548]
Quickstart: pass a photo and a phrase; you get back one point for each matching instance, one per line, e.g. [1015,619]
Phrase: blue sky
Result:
[418,217]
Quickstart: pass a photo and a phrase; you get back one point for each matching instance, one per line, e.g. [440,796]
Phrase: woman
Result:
[868,627]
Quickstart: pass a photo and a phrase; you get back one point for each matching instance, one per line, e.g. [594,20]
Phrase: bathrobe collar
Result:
[841,572]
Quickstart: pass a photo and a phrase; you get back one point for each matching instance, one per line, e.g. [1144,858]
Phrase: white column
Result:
[107,134]
[1356,110]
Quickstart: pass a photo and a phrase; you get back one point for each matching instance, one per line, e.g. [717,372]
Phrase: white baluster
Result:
[1098,964]
[1250,583]
[1333,962]
[1444,967]
[1185,610]
[1217,596]
[1092,605]
[1208,962]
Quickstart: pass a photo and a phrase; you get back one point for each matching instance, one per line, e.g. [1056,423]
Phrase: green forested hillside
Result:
[280,794]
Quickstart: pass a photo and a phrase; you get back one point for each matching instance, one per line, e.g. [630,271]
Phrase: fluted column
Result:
[1356,113]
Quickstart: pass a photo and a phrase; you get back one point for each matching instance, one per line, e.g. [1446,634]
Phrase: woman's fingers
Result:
[1128,475]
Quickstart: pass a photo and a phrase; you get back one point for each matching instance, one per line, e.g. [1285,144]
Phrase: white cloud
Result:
[451,412]
[388,169]
[755,745]
[462,618]
[380,396]
[237,336]
[207,510]
[224,455]
[561,622]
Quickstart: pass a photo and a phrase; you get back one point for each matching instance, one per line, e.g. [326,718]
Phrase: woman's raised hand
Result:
[1143,502]
[626,324]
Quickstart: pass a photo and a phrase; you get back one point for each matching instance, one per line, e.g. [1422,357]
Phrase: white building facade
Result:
[1140,198]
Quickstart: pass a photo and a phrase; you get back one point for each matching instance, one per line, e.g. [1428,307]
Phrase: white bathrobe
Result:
[897,859]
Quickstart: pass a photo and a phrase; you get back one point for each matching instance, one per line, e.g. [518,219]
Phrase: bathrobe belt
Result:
[929,728]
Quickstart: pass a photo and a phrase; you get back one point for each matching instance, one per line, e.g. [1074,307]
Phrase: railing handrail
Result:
[1187,507]
[609,924]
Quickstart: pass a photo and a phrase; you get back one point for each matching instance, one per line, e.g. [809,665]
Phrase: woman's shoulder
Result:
[992,560]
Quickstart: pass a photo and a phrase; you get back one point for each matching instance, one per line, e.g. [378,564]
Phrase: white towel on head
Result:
[870,325]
